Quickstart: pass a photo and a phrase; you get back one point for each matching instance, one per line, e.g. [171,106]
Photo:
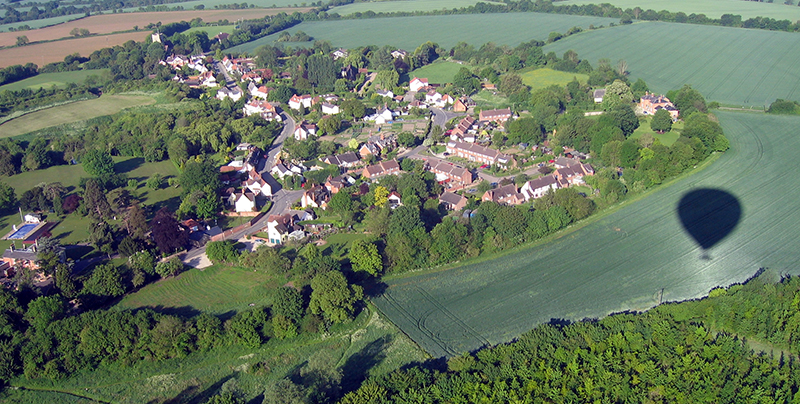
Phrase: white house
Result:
[385,93]
[539,187]
[330,109]
[196,63]
[381,117]
[257,184]
[399,54]
[266,109]
[258,91]
[304,131]
[416,84]
[244,202]
[340,53]
[599,94]
[298,101]
[234,93]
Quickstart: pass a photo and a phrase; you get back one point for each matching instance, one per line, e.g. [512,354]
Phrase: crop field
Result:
[711,8]
[760,67]
[626,260]
[44,22]
[438,73]
[47,80]
[447,30]
[541,78]
[367,346]
[216,290]
[108,23]
[209,4]
[405,5]
[49,52]
[73,112]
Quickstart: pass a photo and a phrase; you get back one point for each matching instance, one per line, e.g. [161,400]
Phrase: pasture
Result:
[47,80]
[760,67]
[216,290]
[49,52]
[406,6]
[72,112]
[438,73]
[369,345]
[542,78]
[108,23]
[446,30]
[627,259]
[711,8]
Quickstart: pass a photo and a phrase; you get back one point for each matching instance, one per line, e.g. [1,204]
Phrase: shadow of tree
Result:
[128,165]
[356,369]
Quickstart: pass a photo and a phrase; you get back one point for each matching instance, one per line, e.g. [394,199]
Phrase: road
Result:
[281,200]
[441,117]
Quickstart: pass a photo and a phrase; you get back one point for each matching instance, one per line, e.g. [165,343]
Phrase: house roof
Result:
[493,113]
[451,198]
[339,159]
[599,93]
[541,182]
[450,169]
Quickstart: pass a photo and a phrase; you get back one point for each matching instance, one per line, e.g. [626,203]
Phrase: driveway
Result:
[441,117]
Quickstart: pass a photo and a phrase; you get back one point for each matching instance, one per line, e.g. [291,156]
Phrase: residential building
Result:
[176,62]
[399,54]
[465,131]
[417,84]
[266,109]
[382,116]
[234,93]
[495,115]
[481,154]
[452,201]
[538,187]
[298,101]
[315,197]
[280,227]
[340,53]
[385,93]
[344,160]
[330,109]
[506,194]
[463,104]
[243,202]
[257,183]
[258,91]
[394,200]
[305,130]
[599,94]
[381,169]
[335,184]
[573,175]
[448,172]
[650,103]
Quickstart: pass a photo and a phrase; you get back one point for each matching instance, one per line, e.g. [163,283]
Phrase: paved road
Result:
[440,116]
[220,68]
[288,130]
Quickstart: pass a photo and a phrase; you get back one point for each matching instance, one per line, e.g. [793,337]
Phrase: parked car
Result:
[484,166]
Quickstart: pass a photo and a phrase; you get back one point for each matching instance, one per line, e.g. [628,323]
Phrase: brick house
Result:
[495,115]
[453,201]
[507,194]
[480,154]
[451,173]
[650,103]
[381,169]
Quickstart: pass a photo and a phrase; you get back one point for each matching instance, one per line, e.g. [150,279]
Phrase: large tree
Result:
[106,280]
[8,198]
[199,175]
[322,72]
[662,121]
[97,163]
[617,93]
[365,257]
[168,235]
[95,199]
[332,297]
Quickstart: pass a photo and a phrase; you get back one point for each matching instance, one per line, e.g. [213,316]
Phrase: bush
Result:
[222,252]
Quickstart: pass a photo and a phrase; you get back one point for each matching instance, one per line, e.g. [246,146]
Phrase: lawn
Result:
[47,80]
[542,78]
[446,30]
[73,112]
[369,345]
[217,290]
[212,30]
[667,139]
[711,8]
[406,6]
[438,73]
[486,99]
[623,260]
[760,67]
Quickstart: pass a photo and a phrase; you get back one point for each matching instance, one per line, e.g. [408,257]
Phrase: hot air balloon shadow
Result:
[709,215]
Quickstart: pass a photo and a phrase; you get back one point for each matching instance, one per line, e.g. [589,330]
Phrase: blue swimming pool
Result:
[22,231]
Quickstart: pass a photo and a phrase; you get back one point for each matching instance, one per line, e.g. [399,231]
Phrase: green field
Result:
[209,4]
[541,78]
[667,139]
[758,66]
[405,5]
[438,73]
[711,8]
[215,290]
[73,112]
[45,22]
[624,260]
[47,80]
[447,30]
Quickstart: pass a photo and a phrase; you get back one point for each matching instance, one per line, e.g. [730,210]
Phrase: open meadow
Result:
[50,52]
[47,80]
[405,5]
[754,69]
[628,259]
[438,72]
[542,78]
[72,112]
[446,30]
[108,23]
[711,8]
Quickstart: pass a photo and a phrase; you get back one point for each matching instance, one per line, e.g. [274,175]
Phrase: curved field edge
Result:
[71,113]
[629,259]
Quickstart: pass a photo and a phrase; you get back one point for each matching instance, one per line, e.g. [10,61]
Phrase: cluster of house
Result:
[568,172]
[307,101]
[480,154]
[254,189]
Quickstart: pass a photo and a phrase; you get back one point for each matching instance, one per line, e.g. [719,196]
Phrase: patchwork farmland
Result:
[711,8]
[611,264]
[49,52]
[761,66]
[446,30]
[406,6]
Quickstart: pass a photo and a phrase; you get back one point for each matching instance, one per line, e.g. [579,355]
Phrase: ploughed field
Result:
[446,30]
[730,65]
[628,260]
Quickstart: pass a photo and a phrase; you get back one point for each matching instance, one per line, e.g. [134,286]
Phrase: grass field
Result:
[73,228]
[209,4]
[39,23]
[48,80]
[367,346]
[410,32]
[486,99]
[74,112]
[49,52]
[624,260]
[438,73]
[667,139]
[108,23]
[213,30]
[406,5]
[711,8]
[541,78]
[757,68]
[216,290]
